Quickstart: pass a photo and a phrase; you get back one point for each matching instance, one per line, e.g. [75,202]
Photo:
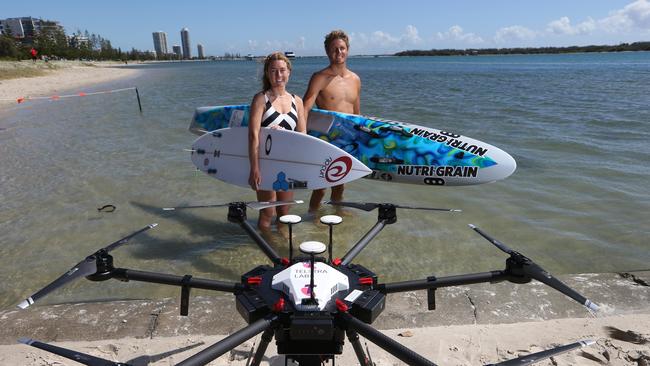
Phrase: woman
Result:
[273,107]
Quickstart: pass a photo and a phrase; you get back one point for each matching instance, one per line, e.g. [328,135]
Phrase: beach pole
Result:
[137,94]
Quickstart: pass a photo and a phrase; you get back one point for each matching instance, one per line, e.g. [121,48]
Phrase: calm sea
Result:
[578,126]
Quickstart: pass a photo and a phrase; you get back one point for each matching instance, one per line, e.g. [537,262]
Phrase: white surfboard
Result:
[288,160]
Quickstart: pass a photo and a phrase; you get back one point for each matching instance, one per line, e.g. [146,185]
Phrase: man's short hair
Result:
[336,34]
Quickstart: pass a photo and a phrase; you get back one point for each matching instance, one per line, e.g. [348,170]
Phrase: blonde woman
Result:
[273,107]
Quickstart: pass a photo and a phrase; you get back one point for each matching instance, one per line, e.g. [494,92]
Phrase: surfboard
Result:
[395,151]
[288,160]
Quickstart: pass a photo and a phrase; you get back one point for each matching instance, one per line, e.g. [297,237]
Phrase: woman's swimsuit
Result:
[272,118]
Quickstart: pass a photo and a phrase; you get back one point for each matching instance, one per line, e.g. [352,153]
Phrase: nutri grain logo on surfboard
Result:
[335,170]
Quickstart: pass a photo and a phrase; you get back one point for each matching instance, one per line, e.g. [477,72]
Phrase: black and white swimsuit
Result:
[272,118]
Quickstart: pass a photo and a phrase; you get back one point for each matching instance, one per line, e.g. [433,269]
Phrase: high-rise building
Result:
[185,41]
[25,28]
[177,51]
[160,43]
[200,49]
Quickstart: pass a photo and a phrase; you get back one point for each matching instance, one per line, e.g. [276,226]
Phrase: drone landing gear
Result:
[353,337]
[267,337]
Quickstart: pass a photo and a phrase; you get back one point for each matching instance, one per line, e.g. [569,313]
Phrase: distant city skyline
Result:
[379,27]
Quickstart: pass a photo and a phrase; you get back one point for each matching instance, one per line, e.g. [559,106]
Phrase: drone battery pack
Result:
[251,306]
[368,306]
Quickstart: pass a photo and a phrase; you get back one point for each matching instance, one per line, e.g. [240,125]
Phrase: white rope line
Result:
[55,97]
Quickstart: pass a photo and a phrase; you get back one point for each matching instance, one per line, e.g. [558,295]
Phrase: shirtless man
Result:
[334,88]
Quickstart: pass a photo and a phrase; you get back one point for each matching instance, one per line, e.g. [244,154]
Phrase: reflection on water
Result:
[576,124]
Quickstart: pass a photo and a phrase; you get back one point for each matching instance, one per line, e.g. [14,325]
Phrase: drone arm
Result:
[358,247]
[540,356]
[259,240]
[228,343]
[396,349]
[167,279]
[538,273]
[82,358]
[459,280]
[521,269]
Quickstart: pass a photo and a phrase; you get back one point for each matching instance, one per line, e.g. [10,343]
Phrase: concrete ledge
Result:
[617,294]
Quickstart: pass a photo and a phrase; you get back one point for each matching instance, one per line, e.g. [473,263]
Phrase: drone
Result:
[312,301]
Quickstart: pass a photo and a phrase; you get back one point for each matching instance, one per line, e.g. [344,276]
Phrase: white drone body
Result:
[294,282]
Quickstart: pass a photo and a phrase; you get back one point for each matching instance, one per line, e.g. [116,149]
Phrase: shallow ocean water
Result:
[578,126]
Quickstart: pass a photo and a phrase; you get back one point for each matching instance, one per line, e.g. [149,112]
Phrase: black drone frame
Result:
[308,337]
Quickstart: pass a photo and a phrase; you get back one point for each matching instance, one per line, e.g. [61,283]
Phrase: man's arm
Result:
[357,103]
[313,89]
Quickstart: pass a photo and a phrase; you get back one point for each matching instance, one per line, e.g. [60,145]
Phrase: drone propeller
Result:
[70,354]
[533,270]
[82,269]
[542,355]
[369,206]
[255,205]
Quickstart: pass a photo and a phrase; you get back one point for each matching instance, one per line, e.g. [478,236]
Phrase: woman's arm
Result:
[301,126]
[254,125]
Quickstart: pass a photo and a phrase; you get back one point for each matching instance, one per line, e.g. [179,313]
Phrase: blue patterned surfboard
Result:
[395,151]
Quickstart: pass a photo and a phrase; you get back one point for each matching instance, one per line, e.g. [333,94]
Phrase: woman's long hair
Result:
[275,56]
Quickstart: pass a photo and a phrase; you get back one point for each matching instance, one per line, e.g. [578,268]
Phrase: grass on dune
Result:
[16,69]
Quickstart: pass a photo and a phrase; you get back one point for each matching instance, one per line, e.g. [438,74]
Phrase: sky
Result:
[374,27]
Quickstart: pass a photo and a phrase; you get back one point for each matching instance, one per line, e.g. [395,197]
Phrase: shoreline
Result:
[450,345]
[471,325]
[59,76]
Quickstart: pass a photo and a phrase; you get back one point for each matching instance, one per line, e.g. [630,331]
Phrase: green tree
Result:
[8,48]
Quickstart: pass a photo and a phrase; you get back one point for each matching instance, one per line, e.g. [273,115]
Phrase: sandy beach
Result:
[452,345]
[57,76]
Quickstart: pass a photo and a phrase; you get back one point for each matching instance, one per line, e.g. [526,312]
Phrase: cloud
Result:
[456,33]
[384,41]
[269,46]
[513,34]
[411,36]
[380,38]
[635,15]
[563,26]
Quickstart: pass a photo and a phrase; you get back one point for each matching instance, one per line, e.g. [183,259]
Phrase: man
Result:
[334,88]
[34,54]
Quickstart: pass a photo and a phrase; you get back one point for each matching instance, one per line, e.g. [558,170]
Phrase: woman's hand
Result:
[255,179]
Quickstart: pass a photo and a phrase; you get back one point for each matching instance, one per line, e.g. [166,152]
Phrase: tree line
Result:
[637,46]
[53,43]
